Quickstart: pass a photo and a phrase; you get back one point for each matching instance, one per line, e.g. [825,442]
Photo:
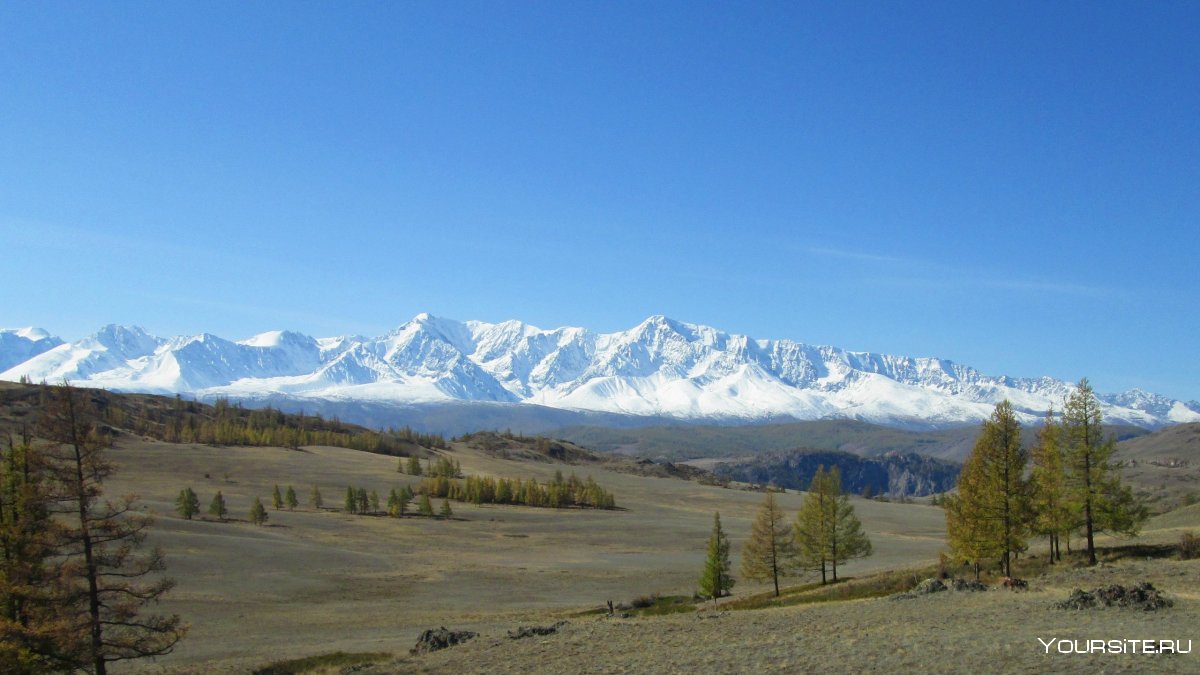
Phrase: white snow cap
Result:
[659,367]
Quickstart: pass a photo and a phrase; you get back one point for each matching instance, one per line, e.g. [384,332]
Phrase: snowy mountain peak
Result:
[128,340]
[18,345]
[659,367]
[29,333]
[279,338]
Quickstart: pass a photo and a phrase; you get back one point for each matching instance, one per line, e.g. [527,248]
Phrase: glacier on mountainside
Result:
[661,367]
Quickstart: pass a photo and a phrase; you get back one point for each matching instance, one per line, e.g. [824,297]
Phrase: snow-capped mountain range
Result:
[661,367]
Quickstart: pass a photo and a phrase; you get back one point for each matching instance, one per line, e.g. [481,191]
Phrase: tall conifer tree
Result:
[814,523]
[1052,514]
[110,578]
[770,552]
[848,541]
[217,508]
[1093,486]
[827,530]
[33,636]
[258,512]
[989,516]
[716,580]
[187,504]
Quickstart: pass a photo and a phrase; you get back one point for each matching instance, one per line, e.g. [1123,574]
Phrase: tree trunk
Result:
[1087,502]
[89,560]
[775,563]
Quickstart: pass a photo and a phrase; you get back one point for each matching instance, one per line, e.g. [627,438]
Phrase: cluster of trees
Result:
[558,493]
[500,442]
[289,499]
[73,573]
[226,423]
[826,533]
[360,501]
[1072,486]
[443,467]
[187,504]
[507,434]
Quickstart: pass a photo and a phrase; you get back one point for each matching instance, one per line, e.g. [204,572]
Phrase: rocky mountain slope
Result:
[895,474]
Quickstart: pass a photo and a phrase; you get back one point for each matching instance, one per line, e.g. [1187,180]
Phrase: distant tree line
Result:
[228,423]
[557,493]
[443,467]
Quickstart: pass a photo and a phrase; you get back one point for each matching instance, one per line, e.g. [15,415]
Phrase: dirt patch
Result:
[1143,596]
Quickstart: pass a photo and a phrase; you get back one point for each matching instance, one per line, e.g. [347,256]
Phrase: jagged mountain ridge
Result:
[661,367]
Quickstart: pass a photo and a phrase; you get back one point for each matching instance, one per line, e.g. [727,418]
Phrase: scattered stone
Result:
[933,585]
[1143,596]
[533,631]
[924,588]
[440,638]
[969,585]
[930,586]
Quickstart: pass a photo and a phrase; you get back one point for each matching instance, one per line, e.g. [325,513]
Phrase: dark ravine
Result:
[891,474]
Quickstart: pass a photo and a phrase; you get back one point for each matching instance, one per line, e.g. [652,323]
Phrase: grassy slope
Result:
[1153,470]
[860,438]
[995,631]
[318,582]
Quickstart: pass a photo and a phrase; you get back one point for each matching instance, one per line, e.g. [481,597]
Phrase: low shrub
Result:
[1189,546]
[644,601]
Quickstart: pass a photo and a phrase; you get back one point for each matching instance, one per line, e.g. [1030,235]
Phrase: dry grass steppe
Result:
[313,582]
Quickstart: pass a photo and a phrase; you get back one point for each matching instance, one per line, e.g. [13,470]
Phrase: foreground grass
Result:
[884,584]
[891,582]
[850,588]
[322,663]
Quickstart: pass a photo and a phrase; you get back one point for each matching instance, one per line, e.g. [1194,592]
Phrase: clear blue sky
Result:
[1011,186]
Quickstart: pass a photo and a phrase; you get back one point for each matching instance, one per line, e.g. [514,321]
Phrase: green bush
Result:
[1189,546]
